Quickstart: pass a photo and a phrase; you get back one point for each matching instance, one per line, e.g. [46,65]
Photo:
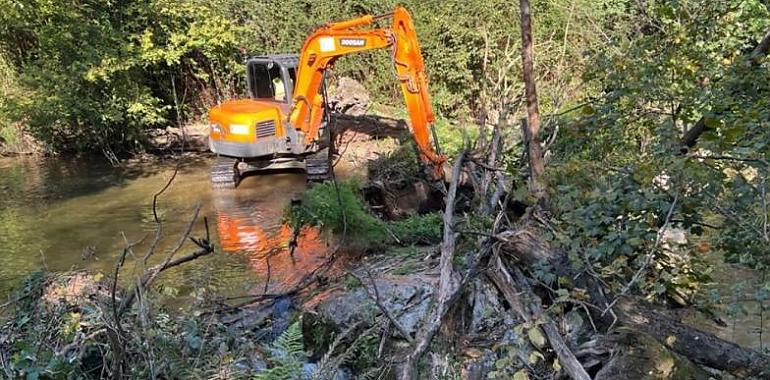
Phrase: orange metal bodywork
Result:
[244,112]
[318,54]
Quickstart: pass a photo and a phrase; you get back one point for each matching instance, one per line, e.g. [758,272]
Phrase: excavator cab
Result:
[253,134]
[272,77]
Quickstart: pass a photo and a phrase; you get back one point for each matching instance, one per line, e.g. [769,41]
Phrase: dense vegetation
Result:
[89,86]
[656,113]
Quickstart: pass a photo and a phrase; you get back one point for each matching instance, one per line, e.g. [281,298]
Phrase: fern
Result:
[374,373]
[329,363]
[287,354]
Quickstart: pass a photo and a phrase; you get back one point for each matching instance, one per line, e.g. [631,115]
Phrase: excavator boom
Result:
[338,39]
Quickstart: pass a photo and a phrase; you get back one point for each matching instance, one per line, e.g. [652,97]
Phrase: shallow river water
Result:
[78,214]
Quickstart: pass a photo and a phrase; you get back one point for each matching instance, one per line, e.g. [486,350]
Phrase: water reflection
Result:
[254,229]
[52,211]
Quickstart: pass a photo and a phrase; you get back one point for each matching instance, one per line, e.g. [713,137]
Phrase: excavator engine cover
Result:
[255,127]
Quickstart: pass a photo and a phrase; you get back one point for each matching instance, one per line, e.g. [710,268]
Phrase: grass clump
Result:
[340,210]
[420,229]
[337,209]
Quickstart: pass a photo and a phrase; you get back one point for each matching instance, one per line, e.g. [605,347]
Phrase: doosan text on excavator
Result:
[285,121]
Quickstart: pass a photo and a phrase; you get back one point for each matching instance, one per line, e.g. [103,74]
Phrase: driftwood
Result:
[526,304]
[448,286]
[528,247]
[699,346]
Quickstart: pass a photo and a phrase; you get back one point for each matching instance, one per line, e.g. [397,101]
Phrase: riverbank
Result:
[350,284]
[329,319]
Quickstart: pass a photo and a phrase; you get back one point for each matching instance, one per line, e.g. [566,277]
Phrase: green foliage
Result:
[398,166]
[419,229]
[101,84]
[337,208]
[9,87]
[98,84]
[287,354]
[454,137]
[611,222]
[618,165]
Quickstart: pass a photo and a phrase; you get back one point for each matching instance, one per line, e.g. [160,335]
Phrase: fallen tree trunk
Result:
[699,346]
[528,247]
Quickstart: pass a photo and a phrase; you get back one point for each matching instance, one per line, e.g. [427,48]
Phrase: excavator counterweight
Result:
[285,122]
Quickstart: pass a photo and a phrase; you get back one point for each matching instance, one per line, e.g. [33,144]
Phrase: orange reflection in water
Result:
[267,247]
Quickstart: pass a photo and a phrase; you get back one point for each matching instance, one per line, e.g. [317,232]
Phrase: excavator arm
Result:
[335,40]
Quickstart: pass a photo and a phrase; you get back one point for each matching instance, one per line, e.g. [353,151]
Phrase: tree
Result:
[531,129]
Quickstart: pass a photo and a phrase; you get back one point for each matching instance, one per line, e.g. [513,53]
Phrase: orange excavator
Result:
[285,122]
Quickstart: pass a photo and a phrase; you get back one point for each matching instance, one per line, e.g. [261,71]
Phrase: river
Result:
[69,214]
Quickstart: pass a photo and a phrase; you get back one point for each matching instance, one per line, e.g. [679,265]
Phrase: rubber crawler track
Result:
[224,173]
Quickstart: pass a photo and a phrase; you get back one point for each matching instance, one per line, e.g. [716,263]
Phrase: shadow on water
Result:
[60,215]
[41,180]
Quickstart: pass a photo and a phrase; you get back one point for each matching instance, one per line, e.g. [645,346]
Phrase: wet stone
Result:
[407,298]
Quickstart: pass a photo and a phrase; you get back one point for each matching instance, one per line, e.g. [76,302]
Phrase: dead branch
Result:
[385,311]
[204,248]
[447,284]
[516,286]
[492,162]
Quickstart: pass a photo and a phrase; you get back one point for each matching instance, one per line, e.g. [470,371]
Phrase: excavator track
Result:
[318,166]
[224,173]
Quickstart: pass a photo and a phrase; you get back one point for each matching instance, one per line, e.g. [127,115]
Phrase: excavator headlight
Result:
[215,128]
[239,129]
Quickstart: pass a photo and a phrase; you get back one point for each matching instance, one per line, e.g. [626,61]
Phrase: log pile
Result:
[507,255]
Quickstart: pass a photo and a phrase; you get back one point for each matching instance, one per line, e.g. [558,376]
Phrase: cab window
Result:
[266,81]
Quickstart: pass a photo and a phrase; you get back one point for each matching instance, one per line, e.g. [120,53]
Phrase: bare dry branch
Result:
[375,295]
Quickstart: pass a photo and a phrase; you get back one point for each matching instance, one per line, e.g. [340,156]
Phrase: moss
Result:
[646,358]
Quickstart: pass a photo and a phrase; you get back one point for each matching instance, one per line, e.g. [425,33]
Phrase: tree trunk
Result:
[699,346]
[528,247]
[531,129]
